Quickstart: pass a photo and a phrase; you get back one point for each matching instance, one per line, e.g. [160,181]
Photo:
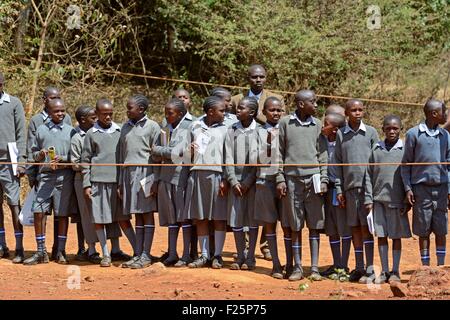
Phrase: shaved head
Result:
[304,95]
[255,67]
[335,108]
[432,105]
[350,103]
[180,91]
[50,91]
[55,103]
[336,119]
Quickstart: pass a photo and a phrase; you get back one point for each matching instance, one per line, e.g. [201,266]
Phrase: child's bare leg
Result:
[127,229]
[358,245]
[440,249]
[18,228]
[424,246]
[396,254]
[368,246]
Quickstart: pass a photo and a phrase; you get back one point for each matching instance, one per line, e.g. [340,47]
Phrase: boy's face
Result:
[257,79]
[104,114]
[329,129]
[172,114]
[51,96]
[355,112]
[243,112]
[308,106]
[217,113]
[442,116]
[392,130]
[56,112]
[184,96]
[89,119]
[273,112]
[134,112]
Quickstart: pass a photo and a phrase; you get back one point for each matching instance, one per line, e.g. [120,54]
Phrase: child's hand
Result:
[53,163]
[244,188]
[323,187]
[20,172]
[119,193]
[405,210]
[281,190]
[410,197]
[237,189]
[223,188]
[42,154]
[368,207]
[154,189]
[341,199]
[88,193]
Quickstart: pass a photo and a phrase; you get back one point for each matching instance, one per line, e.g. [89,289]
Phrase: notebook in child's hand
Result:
[165,134]
[146,184]
[13,155]
[370,224]
[202,141]
[317,183]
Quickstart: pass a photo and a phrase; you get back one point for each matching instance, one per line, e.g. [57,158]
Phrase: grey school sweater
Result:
[302,143]
[100,146]
[136,142]
[353,147]
[175,150]
[12,127]
[76,148]
[241,146]
[56,135]
[424,145]
[384,183]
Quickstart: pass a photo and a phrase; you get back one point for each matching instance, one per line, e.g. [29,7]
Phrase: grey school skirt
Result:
[105,204]
[267,205]
[241,210]
[134,199]
[171,200]
[202,197]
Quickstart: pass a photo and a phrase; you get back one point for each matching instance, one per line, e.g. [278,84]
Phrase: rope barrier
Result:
[114,73]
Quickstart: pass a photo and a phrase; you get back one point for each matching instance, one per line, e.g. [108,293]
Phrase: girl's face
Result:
[216,114]
[273,112]
[172,114]
[89,120]
[355,113]
[392,131]
[104,114]
[243,112]
[134,112]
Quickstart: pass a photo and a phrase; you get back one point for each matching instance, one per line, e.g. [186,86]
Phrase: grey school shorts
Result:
[9,185]
[55,191]
[335,218]
[354,207]
[430,209]
[390,221]
[302,204]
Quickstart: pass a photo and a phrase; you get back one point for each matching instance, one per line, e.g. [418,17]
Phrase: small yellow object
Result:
[303,286]
[51,153]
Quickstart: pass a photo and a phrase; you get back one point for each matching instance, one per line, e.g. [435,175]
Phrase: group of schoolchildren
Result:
[226,171]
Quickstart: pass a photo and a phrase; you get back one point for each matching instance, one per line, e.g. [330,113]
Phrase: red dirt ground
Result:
[50,281]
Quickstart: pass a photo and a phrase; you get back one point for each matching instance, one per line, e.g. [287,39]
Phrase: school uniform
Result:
[267,204]
[172,179]
[202,192]
[100,146]
[241,147]
[229,119]
[55,187]
[353,147]
[187,116]
[335,218]
[384,188]
[429,183]
[301,142]
[261,97]
[136,142]
[76,147]
[12,129]
[35,122]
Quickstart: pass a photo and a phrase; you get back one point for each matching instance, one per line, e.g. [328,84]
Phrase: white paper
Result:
[146,184]
[202,141]
[316,183]
[26,216]
[370,224]
[13,154]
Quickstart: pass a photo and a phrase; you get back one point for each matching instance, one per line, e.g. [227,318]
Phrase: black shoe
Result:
[120,256]
[82,255]
[19,256]
[4,251]
[54,254]
[61,258]
[248,264]
[38,257]
[331,270]
[356,275]
[169,262]
[164,256]
[288,271]
[217,262]
[94,258]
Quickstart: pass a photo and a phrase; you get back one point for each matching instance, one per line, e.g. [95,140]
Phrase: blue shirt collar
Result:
[114,127]
[309,121]
[256,96]
[362,127]
[398,145]
[52,125]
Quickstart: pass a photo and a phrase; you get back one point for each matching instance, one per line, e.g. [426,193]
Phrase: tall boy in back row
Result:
[427,185]
[354,144]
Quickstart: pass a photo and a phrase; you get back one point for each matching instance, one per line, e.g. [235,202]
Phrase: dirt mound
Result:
[430,282]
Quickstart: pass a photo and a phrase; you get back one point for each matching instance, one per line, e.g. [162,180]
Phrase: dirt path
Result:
[52,281]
